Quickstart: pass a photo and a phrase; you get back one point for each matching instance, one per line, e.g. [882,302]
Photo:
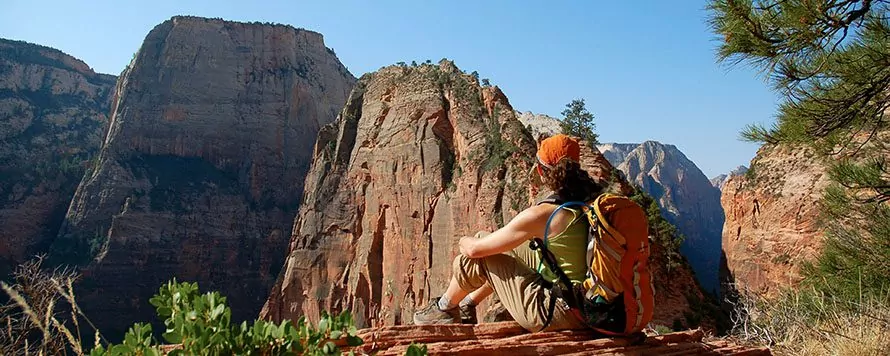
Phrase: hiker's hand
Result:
[465,245]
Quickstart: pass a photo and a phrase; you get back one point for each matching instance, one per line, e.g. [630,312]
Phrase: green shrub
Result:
[201,325]
[416,350]
[577,121]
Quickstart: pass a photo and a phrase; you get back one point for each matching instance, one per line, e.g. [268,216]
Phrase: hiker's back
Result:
[617,296]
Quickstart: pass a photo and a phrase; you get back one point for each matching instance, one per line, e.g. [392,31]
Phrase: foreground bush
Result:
[201,325]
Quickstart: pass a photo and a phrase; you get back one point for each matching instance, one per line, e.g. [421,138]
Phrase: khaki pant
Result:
[517,285]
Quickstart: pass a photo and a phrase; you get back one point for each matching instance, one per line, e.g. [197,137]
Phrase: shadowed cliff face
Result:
[419,157]
[200,175]
[53,111]
[771,218]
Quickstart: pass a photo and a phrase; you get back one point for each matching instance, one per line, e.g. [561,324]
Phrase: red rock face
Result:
[419,157]
[200,176]
[771,217]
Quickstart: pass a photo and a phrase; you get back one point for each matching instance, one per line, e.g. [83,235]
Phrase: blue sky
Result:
[647,69]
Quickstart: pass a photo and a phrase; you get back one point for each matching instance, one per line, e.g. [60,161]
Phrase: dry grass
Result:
[42,317]
[812,323]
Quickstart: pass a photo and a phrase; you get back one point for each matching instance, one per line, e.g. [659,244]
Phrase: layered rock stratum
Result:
[53,117]
[509,337]
[200,176]
[771,218]
[419,157]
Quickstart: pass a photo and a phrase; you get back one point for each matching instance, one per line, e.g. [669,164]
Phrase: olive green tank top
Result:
[570,249]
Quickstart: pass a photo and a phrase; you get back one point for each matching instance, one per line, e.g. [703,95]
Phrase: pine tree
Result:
[830,59]
[577,121]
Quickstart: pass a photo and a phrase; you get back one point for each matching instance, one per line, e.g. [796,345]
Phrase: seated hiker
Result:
[533,292]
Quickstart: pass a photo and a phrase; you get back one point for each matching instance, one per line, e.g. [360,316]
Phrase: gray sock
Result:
[445,304]
[467,302]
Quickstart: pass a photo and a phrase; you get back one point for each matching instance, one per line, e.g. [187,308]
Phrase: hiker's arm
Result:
[519,230]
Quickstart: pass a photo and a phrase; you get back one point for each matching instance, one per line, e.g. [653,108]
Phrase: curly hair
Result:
[572,183]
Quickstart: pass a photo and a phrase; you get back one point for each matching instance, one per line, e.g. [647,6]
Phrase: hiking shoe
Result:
[432,315]
[468,314]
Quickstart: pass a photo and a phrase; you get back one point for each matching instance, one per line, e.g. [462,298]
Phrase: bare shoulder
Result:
[536,214]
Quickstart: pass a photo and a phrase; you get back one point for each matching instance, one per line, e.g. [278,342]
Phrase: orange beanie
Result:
[555,148]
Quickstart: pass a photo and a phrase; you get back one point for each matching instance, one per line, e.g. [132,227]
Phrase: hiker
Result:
[532,291]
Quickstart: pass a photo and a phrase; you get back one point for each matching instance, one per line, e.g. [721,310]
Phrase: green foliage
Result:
[416,350]
[751,173]
[661,329]
[201,325]
[706,308]
[577,121]
[829,58]
[855,259]
[497,148]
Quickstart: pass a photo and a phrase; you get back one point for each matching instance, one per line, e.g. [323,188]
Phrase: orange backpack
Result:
[618,265]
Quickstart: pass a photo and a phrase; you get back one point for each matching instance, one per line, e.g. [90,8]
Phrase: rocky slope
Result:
[201,173]
[509,337]
[419,157]
[53,116]
[617,153]
[771,216]
[685,195]
[720,180]
[539,124]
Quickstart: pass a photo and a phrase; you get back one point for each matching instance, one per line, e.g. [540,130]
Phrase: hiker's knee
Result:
[468,272]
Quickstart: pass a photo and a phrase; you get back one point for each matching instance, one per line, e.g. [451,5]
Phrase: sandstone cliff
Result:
[685,195]
[201,173]
[53,111]
[771,216]
[419,157]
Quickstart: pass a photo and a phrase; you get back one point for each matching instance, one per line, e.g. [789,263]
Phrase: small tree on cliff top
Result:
[577,121]
[831,61]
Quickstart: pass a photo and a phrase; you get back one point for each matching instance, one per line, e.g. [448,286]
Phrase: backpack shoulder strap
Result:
[551,199]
